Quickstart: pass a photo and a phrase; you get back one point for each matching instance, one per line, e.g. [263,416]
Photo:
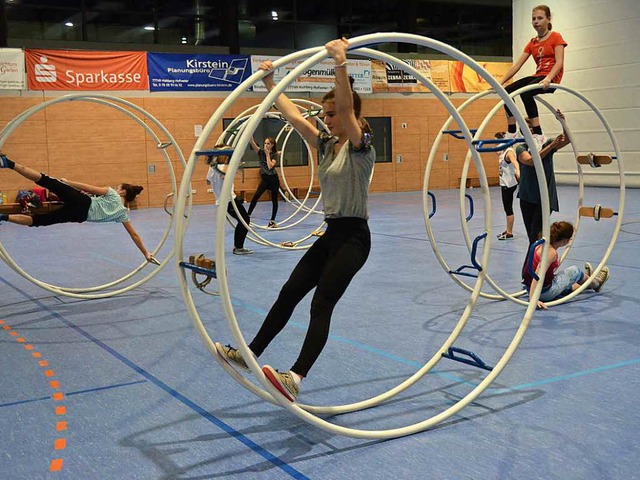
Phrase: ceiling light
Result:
[68,24]
[149,29]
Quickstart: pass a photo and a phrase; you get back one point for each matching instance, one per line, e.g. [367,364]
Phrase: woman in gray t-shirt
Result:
[346,163]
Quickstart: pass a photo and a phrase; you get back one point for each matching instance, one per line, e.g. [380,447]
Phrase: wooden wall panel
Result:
[13,106]
[98,144]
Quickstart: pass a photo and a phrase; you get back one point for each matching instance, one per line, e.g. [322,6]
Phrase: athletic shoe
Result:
[4,161]
[506,236]
[501,234]
[242,251]
[230,355]
[284,382]
[272,224]
[588,269]
[601,279]
[540,140]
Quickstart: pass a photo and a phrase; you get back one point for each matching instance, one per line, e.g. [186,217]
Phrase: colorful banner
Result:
[449,76]
[12,69]
[196,72]
[464,79]
[319,78]
[389,79]
[86,70]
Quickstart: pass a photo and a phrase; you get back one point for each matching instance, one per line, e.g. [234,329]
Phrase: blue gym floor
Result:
[123,387]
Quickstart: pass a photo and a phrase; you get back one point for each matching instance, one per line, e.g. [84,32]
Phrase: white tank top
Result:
[507,170]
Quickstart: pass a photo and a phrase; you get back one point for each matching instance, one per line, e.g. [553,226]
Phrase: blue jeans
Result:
[562,284]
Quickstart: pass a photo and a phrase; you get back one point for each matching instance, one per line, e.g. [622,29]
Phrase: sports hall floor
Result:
[123,387]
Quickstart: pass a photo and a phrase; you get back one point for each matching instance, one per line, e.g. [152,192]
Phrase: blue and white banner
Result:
[197,72]
[320,78]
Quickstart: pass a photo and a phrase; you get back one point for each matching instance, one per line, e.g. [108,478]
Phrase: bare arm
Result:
[271,162]
[552,254]
[515,68]
[288,109]
[254,145]
[128,226]
[85,187]
[559,142]
[344,97]
[559,53]
[510,157]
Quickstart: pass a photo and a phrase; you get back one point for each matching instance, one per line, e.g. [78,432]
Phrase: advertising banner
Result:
[464,79]
[389,79]
[320,78]
[196,72]
[12,69]
[86,70]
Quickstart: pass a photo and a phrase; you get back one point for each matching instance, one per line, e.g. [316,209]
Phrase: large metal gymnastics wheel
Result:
[231,135]
[501,294]
[309,109]
[310,413]
[128,108]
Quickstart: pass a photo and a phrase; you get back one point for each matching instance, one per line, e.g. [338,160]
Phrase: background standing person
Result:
[269,158]
[509,177]
[215,176]
[529,191]
[346,162]
[98,204]
[547,49]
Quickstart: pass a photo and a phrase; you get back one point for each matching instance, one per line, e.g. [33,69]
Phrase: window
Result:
[295,151]
[381,127]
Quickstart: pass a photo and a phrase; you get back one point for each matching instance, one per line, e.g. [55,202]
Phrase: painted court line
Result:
[276,461]
[60,443]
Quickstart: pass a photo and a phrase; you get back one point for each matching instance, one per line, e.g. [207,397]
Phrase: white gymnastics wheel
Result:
[307,412]
[237,126]
[478,135]
[230,136]
[119,104]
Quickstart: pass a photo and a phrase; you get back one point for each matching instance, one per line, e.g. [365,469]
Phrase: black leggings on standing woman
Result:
[329,266]
[240,233]
[271,183]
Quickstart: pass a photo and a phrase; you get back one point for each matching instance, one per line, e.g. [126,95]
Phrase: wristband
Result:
[343,64]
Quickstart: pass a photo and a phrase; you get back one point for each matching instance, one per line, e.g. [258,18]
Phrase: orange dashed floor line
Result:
[61,442]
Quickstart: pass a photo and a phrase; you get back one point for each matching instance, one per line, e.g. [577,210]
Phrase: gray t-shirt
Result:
[344,178]
[264,166]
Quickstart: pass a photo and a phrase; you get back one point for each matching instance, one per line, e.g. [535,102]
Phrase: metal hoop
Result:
[542,185]
[111,101]
[304,411]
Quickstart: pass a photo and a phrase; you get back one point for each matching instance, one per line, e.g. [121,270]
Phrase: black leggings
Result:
[75,208]
[329,265]
[271,183]
[507,199]
[240,233]
[527,97]
[532,218]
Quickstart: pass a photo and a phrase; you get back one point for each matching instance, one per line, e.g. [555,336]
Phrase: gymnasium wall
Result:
[96,144]
[602,62]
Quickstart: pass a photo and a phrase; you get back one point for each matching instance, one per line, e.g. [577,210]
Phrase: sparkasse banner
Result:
[86,70]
